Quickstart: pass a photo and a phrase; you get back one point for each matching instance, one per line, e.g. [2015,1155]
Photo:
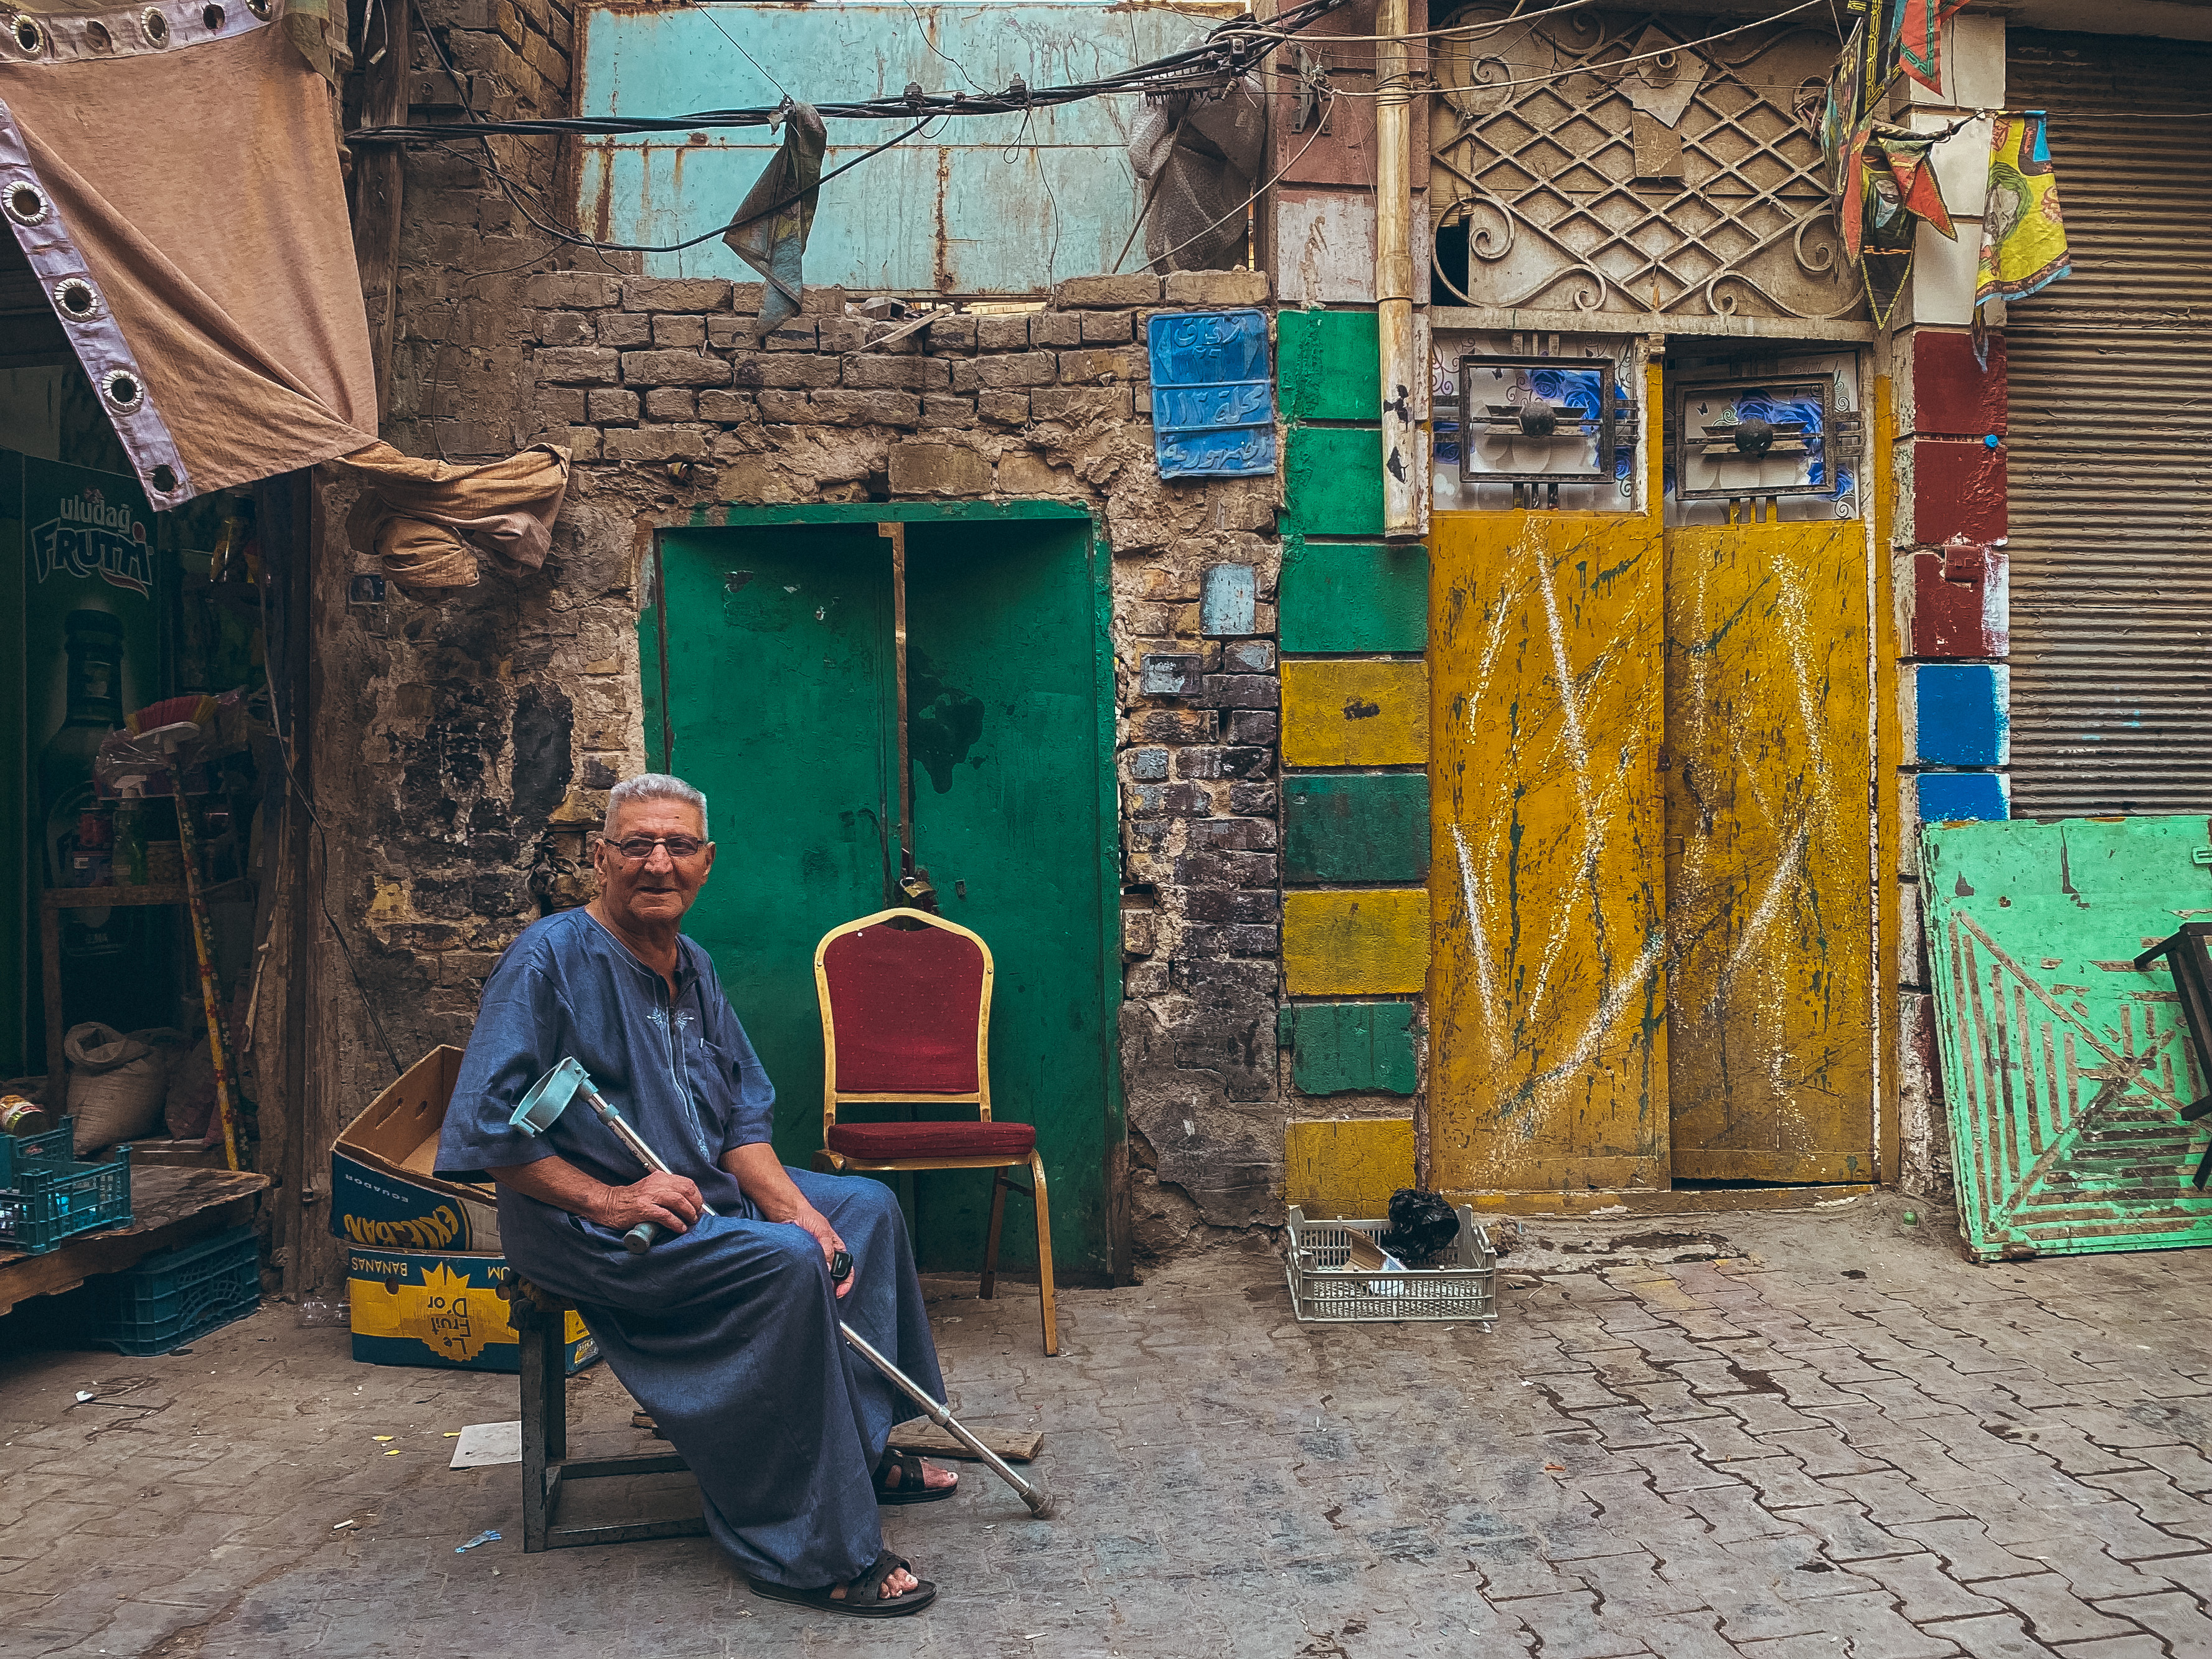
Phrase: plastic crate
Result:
[1324,1287]
[45,1207]
[50,1143]
[176,1296]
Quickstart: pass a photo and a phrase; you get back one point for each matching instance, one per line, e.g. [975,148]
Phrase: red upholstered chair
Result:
[905,1020]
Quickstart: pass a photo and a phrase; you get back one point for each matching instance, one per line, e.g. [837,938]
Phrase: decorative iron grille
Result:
[1572,170]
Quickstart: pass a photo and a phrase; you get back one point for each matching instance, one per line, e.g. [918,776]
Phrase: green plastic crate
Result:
[55,1143]
[45,1207]
[178,1296]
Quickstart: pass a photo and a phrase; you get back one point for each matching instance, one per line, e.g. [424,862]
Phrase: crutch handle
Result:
[639,1239]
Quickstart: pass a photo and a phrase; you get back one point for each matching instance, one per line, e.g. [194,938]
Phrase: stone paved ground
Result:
[1837,1440]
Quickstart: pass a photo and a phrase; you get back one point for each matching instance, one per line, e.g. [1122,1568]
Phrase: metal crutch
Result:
[542,1108]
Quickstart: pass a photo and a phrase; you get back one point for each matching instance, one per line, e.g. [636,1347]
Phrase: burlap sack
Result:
[115,1082]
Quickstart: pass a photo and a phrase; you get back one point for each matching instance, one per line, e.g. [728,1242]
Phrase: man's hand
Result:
[811,1220]
[669,1201]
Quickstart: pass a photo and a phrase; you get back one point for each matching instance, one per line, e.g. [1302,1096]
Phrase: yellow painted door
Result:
[1548,970]
[1652,941]
[1769,920]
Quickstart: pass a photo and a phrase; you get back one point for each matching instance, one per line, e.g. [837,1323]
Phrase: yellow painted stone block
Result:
[1355,713]
[1334,1168]
[1361,943]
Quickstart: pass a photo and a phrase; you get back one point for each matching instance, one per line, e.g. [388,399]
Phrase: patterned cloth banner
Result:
[2023,232]
[1919,29]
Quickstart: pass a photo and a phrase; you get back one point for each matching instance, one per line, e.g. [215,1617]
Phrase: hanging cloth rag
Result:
[217,309]
[2023,232]
[774,243]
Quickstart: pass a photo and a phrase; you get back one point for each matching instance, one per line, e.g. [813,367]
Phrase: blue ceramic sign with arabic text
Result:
[1214,405]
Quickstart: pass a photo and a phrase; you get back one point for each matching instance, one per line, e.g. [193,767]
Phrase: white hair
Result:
[654,786]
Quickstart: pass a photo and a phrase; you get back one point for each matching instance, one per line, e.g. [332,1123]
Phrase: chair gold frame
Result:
[844,1162]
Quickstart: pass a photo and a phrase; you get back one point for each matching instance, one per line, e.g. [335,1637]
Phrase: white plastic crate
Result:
[1324,1287]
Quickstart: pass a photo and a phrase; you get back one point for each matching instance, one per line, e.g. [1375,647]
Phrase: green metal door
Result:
[779,701]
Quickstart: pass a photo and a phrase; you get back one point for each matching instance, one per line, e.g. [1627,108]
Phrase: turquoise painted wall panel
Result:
[1356,829]
[2066,1068]
[1339,599]
[1332,480]
[994,206]
[1330,366]
[1337,1048]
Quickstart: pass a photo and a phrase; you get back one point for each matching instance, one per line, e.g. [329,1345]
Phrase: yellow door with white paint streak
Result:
[1651,815]
[1548,972]
[1769,917]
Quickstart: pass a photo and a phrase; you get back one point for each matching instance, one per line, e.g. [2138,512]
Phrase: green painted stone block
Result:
[1328,365]
[1337,598]
[1356,828]
[1337,1048]
[1332,480]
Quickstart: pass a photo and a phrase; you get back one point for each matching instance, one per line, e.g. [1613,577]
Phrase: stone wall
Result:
[465,746]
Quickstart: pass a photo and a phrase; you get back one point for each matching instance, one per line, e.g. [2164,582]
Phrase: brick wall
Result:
[471,742]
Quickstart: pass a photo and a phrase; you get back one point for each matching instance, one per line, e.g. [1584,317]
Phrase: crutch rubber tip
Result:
[639,1239]
[1043,1504]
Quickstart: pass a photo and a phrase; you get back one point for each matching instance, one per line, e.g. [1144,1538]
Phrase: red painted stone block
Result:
[1961,603]
[1953,395]
[1958,492]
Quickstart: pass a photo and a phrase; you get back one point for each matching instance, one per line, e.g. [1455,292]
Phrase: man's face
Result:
[658,888]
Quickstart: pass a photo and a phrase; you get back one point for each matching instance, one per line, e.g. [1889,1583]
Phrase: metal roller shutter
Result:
[2111,440]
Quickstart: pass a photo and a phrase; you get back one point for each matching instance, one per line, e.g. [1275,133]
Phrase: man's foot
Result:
[900,1582]
[903,1477]
[885,1589]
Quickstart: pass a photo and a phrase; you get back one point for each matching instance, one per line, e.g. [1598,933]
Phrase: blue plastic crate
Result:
[46,1206]
[178,1296]
[54,1143]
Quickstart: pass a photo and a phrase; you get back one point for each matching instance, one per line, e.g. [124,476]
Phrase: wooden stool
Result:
[538,1318]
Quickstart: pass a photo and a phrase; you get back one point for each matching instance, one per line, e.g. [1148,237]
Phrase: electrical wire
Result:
[709,14]
[1219,59]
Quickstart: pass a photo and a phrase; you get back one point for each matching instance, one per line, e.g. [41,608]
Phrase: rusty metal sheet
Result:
[983,205]
[1769,918]
[1547,983]
[2064,1066]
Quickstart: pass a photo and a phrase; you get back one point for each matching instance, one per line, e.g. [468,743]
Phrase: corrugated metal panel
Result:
[2110,440]
[983,205]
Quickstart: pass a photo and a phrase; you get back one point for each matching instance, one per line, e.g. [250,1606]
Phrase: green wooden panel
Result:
[1329,366]
[2066,1068]
[1356,828]
[781,702]
[1339,1047]
[1335,598]
[1332,480]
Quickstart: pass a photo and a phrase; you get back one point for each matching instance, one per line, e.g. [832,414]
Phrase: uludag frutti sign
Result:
[99,529]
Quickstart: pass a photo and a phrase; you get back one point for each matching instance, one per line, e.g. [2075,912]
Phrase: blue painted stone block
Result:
[1214,397]
[1948,797]
[1228,603]
[1962,714]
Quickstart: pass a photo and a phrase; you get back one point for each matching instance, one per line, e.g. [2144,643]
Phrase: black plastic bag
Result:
[1422,1227]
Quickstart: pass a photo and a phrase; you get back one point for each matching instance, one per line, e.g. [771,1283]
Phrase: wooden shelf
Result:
[170,1207]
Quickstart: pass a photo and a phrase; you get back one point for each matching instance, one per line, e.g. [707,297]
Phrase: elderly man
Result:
[726,1330]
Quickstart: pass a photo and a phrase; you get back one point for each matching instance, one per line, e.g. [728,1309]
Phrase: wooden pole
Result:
[1394,277]
[211,996]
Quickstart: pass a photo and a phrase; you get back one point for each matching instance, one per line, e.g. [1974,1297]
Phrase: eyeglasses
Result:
[638,848]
